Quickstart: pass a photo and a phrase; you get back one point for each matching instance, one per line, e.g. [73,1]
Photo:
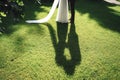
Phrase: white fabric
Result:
[62,15]
[55,3]
[113,2]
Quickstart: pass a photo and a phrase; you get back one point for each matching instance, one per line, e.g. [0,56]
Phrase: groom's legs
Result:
[72,7]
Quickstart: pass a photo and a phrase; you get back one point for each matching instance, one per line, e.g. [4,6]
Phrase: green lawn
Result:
[86,50]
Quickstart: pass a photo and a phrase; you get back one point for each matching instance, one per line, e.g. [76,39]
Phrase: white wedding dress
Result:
[62,15]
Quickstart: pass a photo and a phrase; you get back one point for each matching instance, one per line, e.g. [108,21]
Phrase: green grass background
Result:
[86,50]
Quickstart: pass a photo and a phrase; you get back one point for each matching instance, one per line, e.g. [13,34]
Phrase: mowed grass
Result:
[86,50]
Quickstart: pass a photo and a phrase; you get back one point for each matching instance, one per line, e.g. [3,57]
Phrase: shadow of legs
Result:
[62,30]
[72,45]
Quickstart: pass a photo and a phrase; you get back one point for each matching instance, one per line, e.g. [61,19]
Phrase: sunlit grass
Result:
[29,51]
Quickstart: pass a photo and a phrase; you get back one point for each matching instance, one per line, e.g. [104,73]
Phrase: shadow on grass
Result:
[30,7]
[72,45]
[99,11]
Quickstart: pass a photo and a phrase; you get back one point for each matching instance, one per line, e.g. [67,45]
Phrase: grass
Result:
[86,50]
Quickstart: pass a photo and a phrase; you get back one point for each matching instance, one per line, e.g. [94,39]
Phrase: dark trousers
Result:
[72,8]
